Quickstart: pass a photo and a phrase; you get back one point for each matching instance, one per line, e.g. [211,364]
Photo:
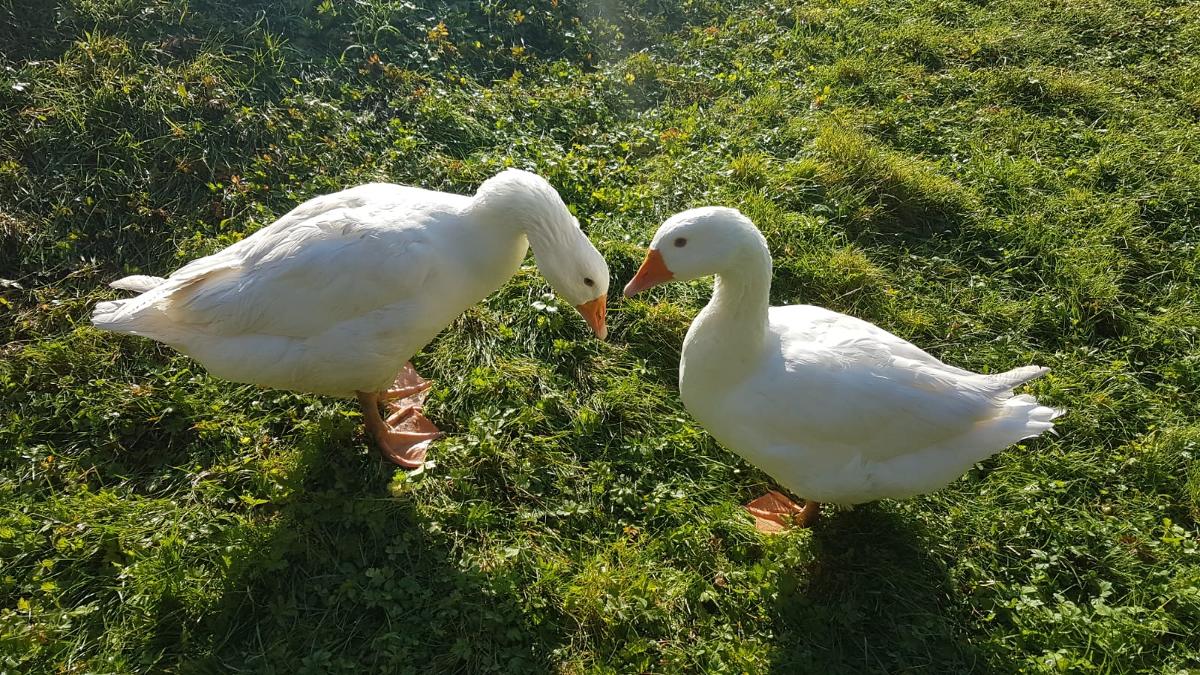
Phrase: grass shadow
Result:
[873,599]
[346,578]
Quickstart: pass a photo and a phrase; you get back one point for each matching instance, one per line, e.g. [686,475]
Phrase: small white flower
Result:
[20,86]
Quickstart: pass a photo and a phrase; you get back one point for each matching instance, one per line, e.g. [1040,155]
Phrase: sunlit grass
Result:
[1002,183]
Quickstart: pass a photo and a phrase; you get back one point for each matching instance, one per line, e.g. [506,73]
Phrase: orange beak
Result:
[594,312]
[652,273]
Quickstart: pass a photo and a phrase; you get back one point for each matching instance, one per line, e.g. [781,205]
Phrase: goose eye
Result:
[680,242]
[588,281]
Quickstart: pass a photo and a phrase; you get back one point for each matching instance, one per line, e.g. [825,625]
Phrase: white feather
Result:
[138,282]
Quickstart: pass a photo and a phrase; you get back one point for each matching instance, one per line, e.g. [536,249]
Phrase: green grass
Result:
[1001,182]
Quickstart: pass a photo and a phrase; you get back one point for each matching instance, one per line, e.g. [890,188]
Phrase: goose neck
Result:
[730,332]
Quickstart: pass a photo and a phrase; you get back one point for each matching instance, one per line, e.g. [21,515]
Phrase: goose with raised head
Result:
[336,296]
[834,408]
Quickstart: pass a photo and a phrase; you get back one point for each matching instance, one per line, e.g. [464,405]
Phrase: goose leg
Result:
[774,512]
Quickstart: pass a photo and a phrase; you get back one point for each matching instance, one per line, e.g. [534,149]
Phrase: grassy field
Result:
[1002,182]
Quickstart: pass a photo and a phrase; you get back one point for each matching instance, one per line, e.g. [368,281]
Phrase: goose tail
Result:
[1020,415]
[1017,376]
[1028,417]
[118,316]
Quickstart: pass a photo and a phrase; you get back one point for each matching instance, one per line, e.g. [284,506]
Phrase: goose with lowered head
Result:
[833,408]
[336,296]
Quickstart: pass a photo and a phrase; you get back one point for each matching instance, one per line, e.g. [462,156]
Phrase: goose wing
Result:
[838,384]
[333,258]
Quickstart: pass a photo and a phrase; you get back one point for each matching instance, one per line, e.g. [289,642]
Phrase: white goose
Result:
[834,408]
[336,296]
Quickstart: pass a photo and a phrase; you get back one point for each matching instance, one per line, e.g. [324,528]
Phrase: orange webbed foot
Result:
[404,437]
[407,385]
[406,443]
[774,512]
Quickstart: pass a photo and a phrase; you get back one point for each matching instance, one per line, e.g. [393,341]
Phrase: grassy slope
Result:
[1001,182]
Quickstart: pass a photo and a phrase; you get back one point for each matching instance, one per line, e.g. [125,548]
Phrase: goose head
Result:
[577,273]
[697,243]
[575,269]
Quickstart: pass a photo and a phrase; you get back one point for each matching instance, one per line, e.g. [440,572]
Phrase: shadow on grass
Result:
[348,579]
[872,600]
